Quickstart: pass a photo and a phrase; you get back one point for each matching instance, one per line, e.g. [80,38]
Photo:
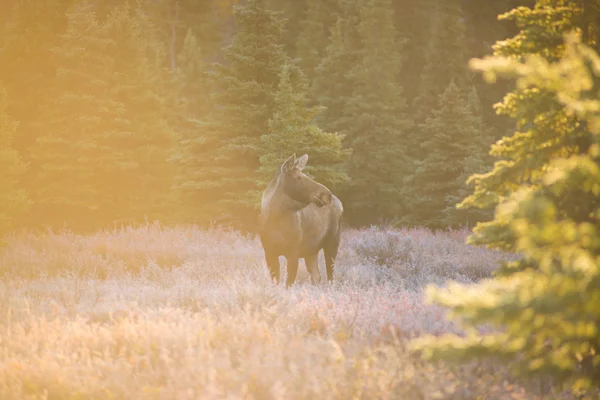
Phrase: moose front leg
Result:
[273,264]
[292,269]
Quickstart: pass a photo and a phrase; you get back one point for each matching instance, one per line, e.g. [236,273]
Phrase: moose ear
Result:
[289,163]
[301,162]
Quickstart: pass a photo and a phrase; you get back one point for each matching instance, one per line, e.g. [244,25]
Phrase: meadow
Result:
[157,312]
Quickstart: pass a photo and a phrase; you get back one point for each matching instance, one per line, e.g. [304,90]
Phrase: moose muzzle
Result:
[322,199]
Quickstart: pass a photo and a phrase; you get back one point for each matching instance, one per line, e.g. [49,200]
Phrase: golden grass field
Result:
[180,313]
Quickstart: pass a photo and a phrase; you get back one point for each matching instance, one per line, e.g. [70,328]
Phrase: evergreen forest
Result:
[423,116]
[181,111]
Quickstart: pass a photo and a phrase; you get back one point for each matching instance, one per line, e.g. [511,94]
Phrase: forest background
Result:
[181,110]
[115,113]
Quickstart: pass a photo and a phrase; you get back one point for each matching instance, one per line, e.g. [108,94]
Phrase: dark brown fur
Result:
[299,217]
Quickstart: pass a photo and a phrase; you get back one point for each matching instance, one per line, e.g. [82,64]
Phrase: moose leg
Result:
[292,269]
[330,256]
[273,264]
[312,265]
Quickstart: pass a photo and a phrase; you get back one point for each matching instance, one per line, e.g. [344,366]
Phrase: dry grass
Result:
[181,313]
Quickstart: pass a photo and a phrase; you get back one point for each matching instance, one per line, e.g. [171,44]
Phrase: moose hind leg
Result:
[330,253]
[292,269]
[312,265]
[273,264]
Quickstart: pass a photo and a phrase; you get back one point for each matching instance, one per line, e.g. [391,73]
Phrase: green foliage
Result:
[356,67]
[546,304]
[191,109]
[454,139]
[292,129]
[445,57]
[192,70]
[413,20]
[13,200]
[524,156]
[26,61]
[332,85]
[314,33]
[476,161]
[199,17]
[225,182]
[374,118]
[102,152]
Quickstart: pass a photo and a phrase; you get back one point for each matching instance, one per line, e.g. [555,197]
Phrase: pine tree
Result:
[332,85]
[545,305]
[200,18]
[451,145]
[291,11]
[26,62]
[173,19]
[374,119]
[413,19]
[476,161]
[445,57]
[292,129]
[192,111]
[192,68]
[228,152]
[103,154]
[524,155]
[13,200]
[314,33]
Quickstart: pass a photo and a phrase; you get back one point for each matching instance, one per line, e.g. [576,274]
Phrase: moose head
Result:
[298,186]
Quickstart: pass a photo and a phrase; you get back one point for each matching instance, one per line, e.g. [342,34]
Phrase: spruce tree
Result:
[228,152]
[314,33]
[291,12]
[476,161]
[545,305]
[524,155]
[452,146]
[192,111]
[332,85]
[192,69]
[105,143]
[292,129]
[544,190]
[26,62]
[413,19]
[13,200]
[445,57]
[374,119]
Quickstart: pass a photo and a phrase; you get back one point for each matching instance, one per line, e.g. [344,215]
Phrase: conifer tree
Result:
[13,200]
[332,85]
[103,154]
[544,189]
[445,57]
[524,155]
[452,146]
[292,129]
[26,62]
[291,11]
[374,119]
[476,161]
[193,109]
[545,305]
[192,69]
[228,152]
[413,19]
[315,28]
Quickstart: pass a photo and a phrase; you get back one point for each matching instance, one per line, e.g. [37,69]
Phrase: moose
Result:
[299,217]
